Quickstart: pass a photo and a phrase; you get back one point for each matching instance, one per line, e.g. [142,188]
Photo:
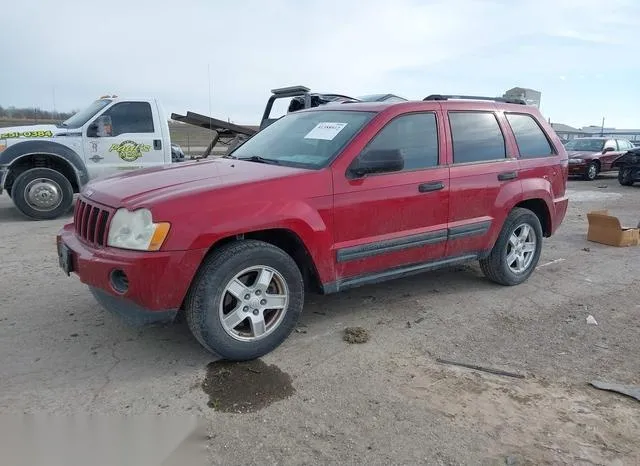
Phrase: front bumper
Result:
[577,168]
[156,282]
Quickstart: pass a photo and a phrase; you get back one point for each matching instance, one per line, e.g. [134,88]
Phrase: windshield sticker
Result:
[325,130]
[27,134]
[129,151]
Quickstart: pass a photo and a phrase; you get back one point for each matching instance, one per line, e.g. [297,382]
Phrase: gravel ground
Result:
[324,399]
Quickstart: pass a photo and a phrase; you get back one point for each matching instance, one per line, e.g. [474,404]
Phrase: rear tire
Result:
[517,250]
[234,314]
[624,177]
[42,193]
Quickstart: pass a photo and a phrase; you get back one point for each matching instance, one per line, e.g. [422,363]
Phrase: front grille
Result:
[91,222]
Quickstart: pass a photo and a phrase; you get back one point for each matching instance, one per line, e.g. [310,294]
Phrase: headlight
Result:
[576,160]
[136,230]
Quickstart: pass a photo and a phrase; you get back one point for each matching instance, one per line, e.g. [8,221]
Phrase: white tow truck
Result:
[42,166]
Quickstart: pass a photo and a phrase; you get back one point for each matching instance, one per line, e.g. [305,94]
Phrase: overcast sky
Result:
[581,54]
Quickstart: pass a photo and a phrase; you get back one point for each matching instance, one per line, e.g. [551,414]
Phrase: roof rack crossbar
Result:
[475,97]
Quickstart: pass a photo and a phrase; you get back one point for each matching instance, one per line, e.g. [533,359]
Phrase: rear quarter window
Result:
[531,139]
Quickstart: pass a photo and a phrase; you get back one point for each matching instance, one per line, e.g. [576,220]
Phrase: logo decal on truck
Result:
[130,151]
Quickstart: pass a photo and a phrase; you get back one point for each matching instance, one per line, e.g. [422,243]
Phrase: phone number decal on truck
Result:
[27,134]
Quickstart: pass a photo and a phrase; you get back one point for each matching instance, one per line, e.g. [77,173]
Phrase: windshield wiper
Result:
[259,159]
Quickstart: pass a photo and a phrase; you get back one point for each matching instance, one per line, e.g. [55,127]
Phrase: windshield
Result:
[80,118]
[304,139]
[586,145]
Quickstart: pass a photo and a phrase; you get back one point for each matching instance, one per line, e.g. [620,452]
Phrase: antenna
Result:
[209,86]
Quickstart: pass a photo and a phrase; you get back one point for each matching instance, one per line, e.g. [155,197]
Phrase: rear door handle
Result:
[157,144]
[507,176]
[432,186]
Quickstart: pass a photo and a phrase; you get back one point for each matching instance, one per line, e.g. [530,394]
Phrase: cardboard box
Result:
[606,229]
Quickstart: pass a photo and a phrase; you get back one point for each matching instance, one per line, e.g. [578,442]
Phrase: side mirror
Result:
[608,149]
[92,130]
[377,161]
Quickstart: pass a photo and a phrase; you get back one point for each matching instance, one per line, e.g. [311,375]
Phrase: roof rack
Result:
[475,97]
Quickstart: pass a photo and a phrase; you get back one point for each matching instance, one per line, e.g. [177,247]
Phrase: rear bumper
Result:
[157,281]
[560,206]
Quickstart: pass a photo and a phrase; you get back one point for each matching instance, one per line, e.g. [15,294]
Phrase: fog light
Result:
[119,281]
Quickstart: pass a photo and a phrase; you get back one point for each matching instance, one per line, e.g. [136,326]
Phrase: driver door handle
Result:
[431,186]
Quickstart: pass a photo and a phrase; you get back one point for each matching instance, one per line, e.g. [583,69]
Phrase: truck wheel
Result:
[517,249]
[42,193]
[591,171]
[624,177]
[245,300]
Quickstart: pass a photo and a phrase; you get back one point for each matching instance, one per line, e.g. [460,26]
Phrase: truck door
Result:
[126,136]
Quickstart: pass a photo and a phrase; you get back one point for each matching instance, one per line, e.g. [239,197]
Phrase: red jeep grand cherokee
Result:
[323,199]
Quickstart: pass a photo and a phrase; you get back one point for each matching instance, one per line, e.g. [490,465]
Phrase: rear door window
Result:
[624,145]
[476,137]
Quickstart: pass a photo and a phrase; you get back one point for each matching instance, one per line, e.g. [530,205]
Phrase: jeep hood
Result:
[145,187]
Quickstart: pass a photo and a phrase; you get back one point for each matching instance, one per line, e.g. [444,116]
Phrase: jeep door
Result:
[393,217]
[484,177]
[126,136]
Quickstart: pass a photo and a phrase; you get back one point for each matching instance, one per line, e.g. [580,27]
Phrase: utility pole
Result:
[602,128]
[55,113]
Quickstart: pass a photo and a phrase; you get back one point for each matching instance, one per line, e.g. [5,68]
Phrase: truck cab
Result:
[42,166]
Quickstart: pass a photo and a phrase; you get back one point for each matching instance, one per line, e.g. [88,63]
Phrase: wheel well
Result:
[290,243]
[598,164]
[539,207]
[42,161]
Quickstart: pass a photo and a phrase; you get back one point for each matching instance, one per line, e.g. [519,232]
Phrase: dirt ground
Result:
[319,399]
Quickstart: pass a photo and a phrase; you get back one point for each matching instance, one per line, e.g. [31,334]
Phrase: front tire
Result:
[624,177]
[245,300]
[591,172]
[517,250]
[42,193]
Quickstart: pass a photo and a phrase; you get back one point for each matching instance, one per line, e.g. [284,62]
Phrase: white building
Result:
[530,96]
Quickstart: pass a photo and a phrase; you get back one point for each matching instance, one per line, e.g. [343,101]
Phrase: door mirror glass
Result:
[377,161]
[100,128]
[608,149]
